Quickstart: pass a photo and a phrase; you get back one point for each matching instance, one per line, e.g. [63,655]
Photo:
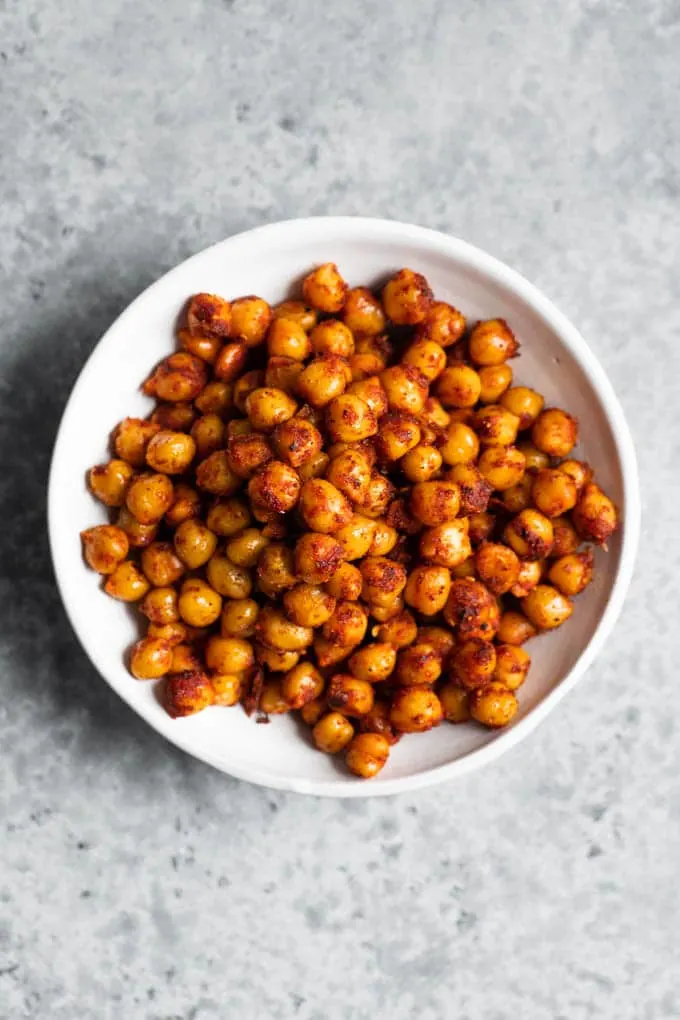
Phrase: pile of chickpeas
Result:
[341,506]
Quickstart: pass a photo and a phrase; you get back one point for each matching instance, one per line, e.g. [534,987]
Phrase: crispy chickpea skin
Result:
[362,312]
[455,702]
[512,666]
[595,516]
[161,564]
[379,496]
[349,419]
[401,630]
[514,628]
[160,606]
[475,490]
[126,583]
[473,663]
[207,434]
[443,325]
[109,482]
[308,605]
[317,557]
[428,357]
[497,567]
[347,625]
[580,472]
[350,473]
[228,517]
[384,579]
[199,604]
[247,453]
[181,377]
[435,503]
[458,386]
[492,342]
[555,432]
[481,527]
[398,434]
[150,659]
[495,381]
[418,664]
[372,392]
[209,315]
[312,711]
[243,387]
[245,547]
[371,356]
[448,544]
[131,438]
[186,503]
[323,507]
[350,696]
[329,654]
[493,706]
[302,684]
[274,489]
[272,701]
[384,539]
[332,337]
[523,402]
[427,589]
[332,733]
[405,387]
[534,458]
[367,754]
[496,426]
[283,374]
[230,362]
[275,659]
[546,607]
[415,710]
[214,474]
[407,298]
[518,496]
[325,289]
[187,693]
[502,466]
[296,440]
[356,537]
[472,609]
[173,633]
[566,537]
[314,467]
[374,662]
[177,417]
[250,319]
[530,534]
[138,535]
[104,547]
[573,573]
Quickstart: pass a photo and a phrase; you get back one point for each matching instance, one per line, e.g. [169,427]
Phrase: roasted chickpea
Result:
[398,434]
[296,440]
[525,403]
[481,527]
[275,630]
[502,466]
[421,463]
[443,325]
[274,489]
[475,490]
[104,547]
[572,573]
[216,398]
[199,604]
[131,438]
[332,337]
[138,535]
[267,407]
[534,458]
[407,298]
[308,605]
[332,733]
[418,664]
[448,544]
[367,754]
[150,659]
[400,630]
[595,516]
[214,474]
[250,320]
[283,374]
[209,315]
[464,569]
[247,453]
[455,702]
[566,537]
[177,417]
[384,580]
[228,689]
[325,289]
[580,472]
[472,610]
[514,628]
[512,666]
[546,607]
[230,362]
[497,567]
[109,482]
[323,380]
[385,538]
[473,663]
[179,378]
[323,507]
[160,606]
[171,453]
[440,638]
[314,467]
[313,711]
[301,685]
[350,473]
[362,312]
[495,381]
[275,569]
[415,710]
[347,625]
[386,610]
[355,537]
[173,633]
[346,583]
[296,311]
[194,543]
[428,357]
[458,386]
[427,589]
[239,617]
[530,534]
[161,564]
[187,693]
[349,419]
[371,391]
[228,654]
[370,358]
[244,548]
[495,426]
[126,583]
[207,434]
[555,432]
[406,388]
[276,660]
[350,696]
[287,339]
[379,496]
[518,496]
[530,572]
[435,503]
[248,383]
[186,503]
[205,347]
[492,342]
[329,654]
[460,444]
[553,492]
[374,662]
[230,580]
[494,705]
[228,517]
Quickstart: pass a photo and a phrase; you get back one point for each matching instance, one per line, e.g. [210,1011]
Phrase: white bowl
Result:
[267,261]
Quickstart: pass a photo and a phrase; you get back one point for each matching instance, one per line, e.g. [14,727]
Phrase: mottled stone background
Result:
[137,883]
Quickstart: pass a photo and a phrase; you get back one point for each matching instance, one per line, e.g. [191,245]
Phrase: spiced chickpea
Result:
[435,503]
[308,605]
[371,391]
[546,607]
[512,666]
[492,342]
[369,359]
[228,517]
[534,458]
[177,417]
[209,315]
[553,492]
[481,527]
[250,319]
[350,696]
[187,693]
[227,578]
[458,386]
[194,543]
[160,606]
[362,312]
[186,503]
[367,754]
[386,610]
[312,711]
[275,568]
[173,633]
[161,564]
[530,572]
[268,407]
[495,380]
[184,659]
[239,617]
[283,374]
[230,362]
[573,573]
[383,579]
[347,625]
[126,582]
[274,489]
[131,438]
[406,388]
[421,463]
[493,706]
[460,444]
[465,569]
[323,380]
[475,490]
[171,453]
[378,497]
[215,475]
[427,589]
[374,662]
[398,434]
[472,609]
[384,540]
[248,383]
[275,659]
[349,419]
[325,289]
[350,473]
[138,535]
[216,398]
[401,630]
[150,659]
[178,378]
[323,507]
[595,516]
[497,567]
[302,684]
[448,544]
[287,339]
[317,557]
[443,324]
[580,472]
[199,605]
[314,467]
[207,434]
[415,710]
[518,496]
[346,583]
[228,689]
[434,416]
[245,547]
[296,440]
[439,638]
[329,654]
[247,453]
[502,466]
[356,537]
[525,403]
[514,628]
[109,482]
[407,298]
[455,702]
[332,733]
[428,357]
[473,663]
[496,426]
[104,547]
[418,664]
[228,654]
[530,534]
[555,432]
[297,311]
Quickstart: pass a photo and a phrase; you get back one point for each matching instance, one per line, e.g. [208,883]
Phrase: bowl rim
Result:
[361,227]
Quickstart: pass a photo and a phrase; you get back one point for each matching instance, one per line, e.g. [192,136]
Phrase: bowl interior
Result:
[269,262]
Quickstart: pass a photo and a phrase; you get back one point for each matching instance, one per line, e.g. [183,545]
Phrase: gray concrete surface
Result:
[135,882]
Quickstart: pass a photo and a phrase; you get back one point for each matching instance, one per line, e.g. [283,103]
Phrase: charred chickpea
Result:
[314,467]
[460,444]
[458,386]
[428,357]
[296,440]
[138,535]
[329,654]
[267,407]
[385,538]
[398,434]
[216,398]
[194,543]
[367,754]
[199,604]
[518,496]
[161,564]
[187,693]
[546,607]
[347,625]
[131,438]
[514,628]
[530,572]
[323,380]
[308,605]
[418,664]
[209,315]
[473,663]
[421,463]
[440,638]
[251,317]
[287,339]
[302,684]
[228,654]
[227,578]
[492,342]
[502,466]
[448,544]
[323,507]
[104,547]
[566,537]
[415,710]
[362,312]
[493,706]
[247,453]
[296,311]
[427,589]
[160,606]
[555,432]
[406,388]
[530,534]
[109,482]
[332,733]
[356,537]
[472,610]
[215,475]
[512,666]
[573,573]
[407,298]
[497,567]
[455,702]
[275,569]
[495,381]
[228,689]
[346,583]
[384,579]
[534,458]
[350,419]
[443,324]
[126,583]
[179,378]
[350,696]
[317,557]
[274,489]
[496,426]
[325,289]
[150,659]
[525,403]
[436,502]
[595,516]
[374,662]
[553,492]
[401,630]
[177,417]
[207,434]
[350,473]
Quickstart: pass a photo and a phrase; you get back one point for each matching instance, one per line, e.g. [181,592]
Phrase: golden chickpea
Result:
[362,312]
[428,357]
[245,547]
[126,583]
[230,362]
[400,630]
[350,473]
[435,415]
[184,659]
[379,496]
[350,696]
[383,579]
[495,381]
[209,315]
[443,325]
[492,342]
[481,527]
[131,438]
[215,475]
[386,610]
[530,572]
[332,733]
[308,605]
[460,444]
[274,489]
[455,703]
[327,653]
[239,617]
[104,547]
[313,710]
[512,666]
[515,628]
[553,492]
[250,320]
[595,516]
[275,630]
[427,589]
[405,387]
[138,535]
[296,311]
[355,537]
[296,440]
[448,544]
[228,689]
[283,374]
[415,710]
[398,434]
[171,453]
[173,633]
[194,543]
[534,458]
[267,407]
[350,420]
[555,432]
[566,538]
[314,467]
[580,472]
[502,466]
[530,534]
[216,398]
[228,517]
[495,426]
[301,685]
[160,606]
[204,347]
[497,567]
[109,482]
[275,569]
[419,664]
[248,383]
[150,659]
[373,663]
[518,496]
[199,604]
[473,663]
[525,403]
[546,607]
[161,564]
[187,693]
[464,569]
[572,573]
[207,434]
[385,538]
[332,337]
[228,654]
[177,417]
[346,583]
[246,454]
[494,705]
[325,289]
[407,298]
[421,463]
[367,754]
[186,503]
[472,610]
[177,379]
[230,580]
[323,380]
[347,625]
[323,507]
[439,638]
[458,386]
[287,339]
[371,391]
[275,659]
[435,503]
[475,490]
